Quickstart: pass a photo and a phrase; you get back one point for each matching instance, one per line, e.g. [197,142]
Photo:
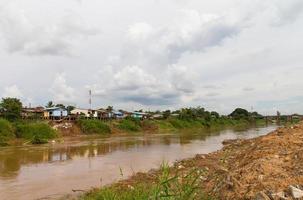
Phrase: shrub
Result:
[129,124]
[6,132]
[37,132]
[93,127]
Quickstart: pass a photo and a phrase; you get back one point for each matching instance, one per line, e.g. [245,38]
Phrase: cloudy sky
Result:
[154,54]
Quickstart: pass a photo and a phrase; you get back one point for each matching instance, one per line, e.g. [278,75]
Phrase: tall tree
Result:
[110,108]
[239,113]
[50,104]
[11,108]
[166,114]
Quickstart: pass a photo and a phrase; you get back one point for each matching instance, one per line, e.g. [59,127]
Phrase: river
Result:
[52,170]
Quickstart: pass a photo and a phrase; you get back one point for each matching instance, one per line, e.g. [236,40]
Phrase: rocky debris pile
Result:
[67,128]
[267,167]
[292,192]
[64,125]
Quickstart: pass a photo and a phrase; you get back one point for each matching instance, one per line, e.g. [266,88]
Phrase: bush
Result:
[37,132]
[185,123]
[6,132]
[129,125]
[93,127]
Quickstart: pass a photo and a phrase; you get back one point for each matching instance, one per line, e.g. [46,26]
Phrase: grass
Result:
[6,132]
[93,127]
[167,185]
[35,132]
[130,125]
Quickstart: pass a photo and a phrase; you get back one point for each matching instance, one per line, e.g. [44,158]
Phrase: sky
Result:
[154,54]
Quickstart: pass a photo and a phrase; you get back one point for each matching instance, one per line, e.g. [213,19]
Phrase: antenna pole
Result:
[90,99]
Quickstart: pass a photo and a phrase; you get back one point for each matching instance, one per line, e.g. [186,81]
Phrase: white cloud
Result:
[190,31]
[156,54]
[61,91]
[21,34]
[12,91]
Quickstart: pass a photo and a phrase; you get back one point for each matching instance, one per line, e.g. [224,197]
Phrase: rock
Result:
[261,177]
[181,167]
[279,196]
[262,196]
[296,193]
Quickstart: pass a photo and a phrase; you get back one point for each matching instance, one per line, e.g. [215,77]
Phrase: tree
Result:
[240,113]
[110,108]
[70,108]
[50,104]
[166,114]
[214,114]
[60,105]
[11,108]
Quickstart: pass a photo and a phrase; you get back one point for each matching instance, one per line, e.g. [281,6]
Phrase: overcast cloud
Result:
[154,54]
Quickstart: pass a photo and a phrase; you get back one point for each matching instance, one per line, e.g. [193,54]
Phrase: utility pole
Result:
[90,99]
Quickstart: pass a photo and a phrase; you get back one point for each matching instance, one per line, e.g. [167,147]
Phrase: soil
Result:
[263,168]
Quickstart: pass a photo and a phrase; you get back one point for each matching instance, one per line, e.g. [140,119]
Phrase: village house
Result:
[55,113]
[118,114]
[84,112]
[32,113]
[139,115]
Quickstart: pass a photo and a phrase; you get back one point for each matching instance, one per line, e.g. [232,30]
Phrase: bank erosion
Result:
[263,168]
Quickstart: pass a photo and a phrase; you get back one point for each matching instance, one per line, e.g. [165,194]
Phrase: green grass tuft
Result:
[94,127]
[132,125]
[166,186]
[6,132]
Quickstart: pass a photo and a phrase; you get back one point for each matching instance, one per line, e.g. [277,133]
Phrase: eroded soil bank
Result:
[267,167]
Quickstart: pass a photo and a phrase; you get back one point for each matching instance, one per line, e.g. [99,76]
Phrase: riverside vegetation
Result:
[164,184]
[13,128]
[39,132]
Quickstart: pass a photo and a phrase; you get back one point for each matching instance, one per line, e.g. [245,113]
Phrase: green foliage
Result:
[36,132]
[214,115]
[110,108]
[166,114]
[164,125]
[94,127]
[11,108]
[50,104]
[6,132]
[186,123]
[239,113]
[60,105]
[167,186]
[70,108]
[129,124]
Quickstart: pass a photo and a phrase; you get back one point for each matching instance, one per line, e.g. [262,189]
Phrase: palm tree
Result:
[110,108]
[50,104]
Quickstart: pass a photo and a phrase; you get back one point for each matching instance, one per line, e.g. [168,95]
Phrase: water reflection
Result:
[12,158]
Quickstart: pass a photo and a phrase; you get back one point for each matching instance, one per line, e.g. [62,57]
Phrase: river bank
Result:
[24,132]
[267,167]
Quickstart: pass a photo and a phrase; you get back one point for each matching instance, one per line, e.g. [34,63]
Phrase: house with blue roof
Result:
[55,113]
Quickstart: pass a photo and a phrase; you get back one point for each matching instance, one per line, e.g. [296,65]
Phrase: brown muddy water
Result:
[50,171]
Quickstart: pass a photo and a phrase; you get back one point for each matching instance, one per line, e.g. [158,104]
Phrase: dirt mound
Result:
[267,167]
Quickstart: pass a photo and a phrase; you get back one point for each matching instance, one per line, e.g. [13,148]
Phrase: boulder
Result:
[295,192]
